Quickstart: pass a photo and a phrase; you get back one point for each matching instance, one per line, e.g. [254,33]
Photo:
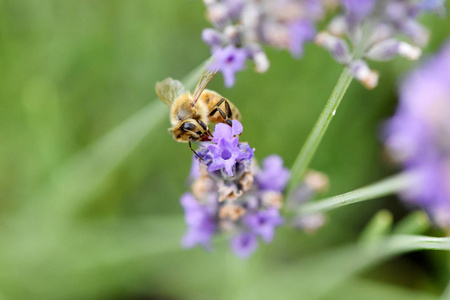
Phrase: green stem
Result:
[309,148]
[406,243]
[382,188]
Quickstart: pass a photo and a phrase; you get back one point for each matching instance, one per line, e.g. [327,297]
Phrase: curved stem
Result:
[390,185]
[309,148]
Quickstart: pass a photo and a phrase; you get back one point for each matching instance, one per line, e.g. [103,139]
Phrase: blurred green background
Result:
[90,178]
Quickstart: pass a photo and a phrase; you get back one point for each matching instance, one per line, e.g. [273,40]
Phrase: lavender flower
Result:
[225,150]
[244,244]
[418,136]
[200,222]
[225,197]
[241,27]
[273,176]
[372,28]
[229,60]
[263,223]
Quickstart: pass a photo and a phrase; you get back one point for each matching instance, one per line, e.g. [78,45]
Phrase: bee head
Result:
[188,130]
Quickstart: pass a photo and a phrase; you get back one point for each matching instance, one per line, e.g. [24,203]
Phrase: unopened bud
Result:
[418,33]
[409,51]
[360,70]
[261,62]
[385,50]
[337,47]
[212,37]
[388,49]
[231,32]
[259,57]
[310,223]
[217,12]
[338,26]
[318,181]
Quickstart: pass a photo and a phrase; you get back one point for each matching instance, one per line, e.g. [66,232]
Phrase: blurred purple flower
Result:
[200,223]
[263,223]
[246,25]
[229,60]
[301,32]
[356,10]
[418,135]
[244,244]
[273,176]
[213,38]
[373,26]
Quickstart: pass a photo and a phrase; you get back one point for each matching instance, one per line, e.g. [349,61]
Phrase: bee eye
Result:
[187,126]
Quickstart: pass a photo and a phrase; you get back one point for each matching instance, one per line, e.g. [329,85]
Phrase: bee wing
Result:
[168,90]
[201,85]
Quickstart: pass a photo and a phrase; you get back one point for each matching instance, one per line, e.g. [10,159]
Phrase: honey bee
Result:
[190,114]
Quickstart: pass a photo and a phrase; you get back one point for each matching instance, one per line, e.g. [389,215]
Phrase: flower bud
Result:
[360,70]
[337,47]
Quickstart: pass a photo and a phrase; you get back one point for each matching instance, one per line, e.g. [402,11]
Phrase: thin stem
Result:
[390,185]
[309,148]
[406,243]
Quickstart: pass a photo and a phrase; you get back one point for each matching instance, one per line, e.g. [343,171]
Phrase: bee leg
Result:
[226,116]
[228,110]
[220,102]
[190,147]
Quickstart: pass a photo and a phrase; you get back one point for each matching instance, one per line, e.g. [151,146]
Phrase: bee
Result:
[190,114]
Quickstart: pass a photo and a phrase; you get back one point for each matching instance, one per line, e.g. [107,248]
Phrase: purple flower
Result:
[200,222]
[418,135]
[194,172]
[225,132]
[226,151]
[242,27]
[225,196]
[225,154]
[263,223]
[273,176]
[244,244]
[301,32]
[229,60]
[213,38]
[381,23]
[357,9]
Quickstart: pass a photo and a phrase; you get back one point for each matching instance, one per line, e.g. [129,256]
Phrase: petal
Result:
[221,131]
[236,127]
[188,201]
[229,164]
[216,165]
[267,233]
[244,244]
[229,77]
